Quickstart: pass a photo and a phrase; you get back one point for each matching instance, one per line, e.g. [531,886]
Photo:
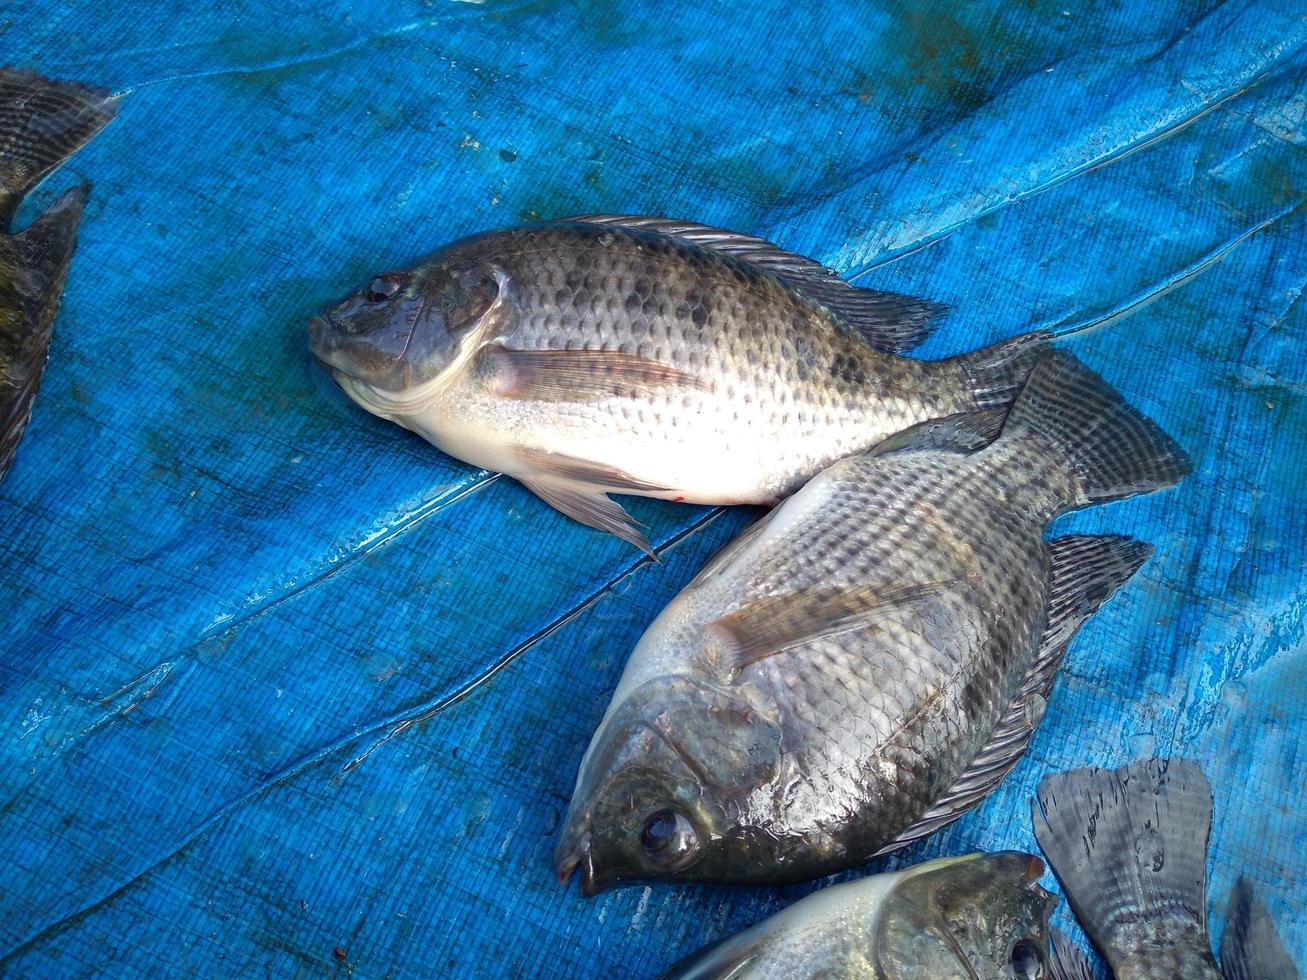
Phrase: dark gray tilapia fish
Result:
[865,663]
[981,915]
[42,123]
[646,356]
[1130,848]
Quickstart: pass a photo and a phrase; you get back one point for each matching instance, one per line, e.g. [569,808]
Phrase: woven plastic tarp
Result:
[284,691]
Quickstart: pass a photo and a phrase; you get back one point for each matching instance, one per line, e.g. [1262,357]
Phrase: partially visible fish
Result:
[646,356]
[1130,849]
[42,123]
[865,663]
[982,915]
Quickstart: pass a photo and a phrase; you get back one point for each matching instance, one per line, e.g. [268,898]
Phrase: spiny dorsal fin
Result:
[889,322]
[774,624]
[1084,572]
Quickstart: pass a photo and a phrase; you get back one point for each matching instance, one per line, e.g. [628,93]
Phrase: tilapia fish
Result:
[42,123]
[982,915]
[1130,849]
[866,662]
[645,356]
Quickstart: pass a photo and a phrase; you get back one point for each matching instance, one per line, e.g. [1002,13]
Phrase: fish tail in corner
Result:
[1251,948]
[42,123]
[1130,849]
[1112,450]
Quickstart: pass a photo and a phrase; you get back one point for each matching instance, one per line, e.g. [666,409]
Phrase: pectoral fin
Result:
[778,623]
[577,375]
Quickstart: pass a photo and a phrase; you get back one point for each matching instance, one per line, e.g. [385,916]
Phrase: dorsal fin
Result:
[889,322]
[1084,571]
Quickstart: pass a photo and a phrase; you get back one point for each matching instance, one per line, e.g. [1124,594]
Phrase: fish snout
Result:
[579,858]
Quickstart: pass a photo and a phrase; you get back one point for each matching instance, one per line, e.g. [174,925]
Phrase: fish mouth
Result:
[580,859]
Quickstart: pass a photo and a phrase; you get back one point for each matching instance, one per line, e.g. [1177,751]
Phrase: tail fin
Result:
[1130,848]
[995,375]
[45,247]
[1250,946]
[42,123]
[1112,450]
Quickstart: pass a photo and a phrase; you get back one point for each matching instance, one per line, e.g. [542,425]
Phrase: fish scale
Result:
[865,663]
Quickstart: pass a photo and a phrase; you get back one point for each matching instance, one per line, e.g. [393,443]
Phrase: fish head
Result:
[660,788]
[400,330]
[982,915]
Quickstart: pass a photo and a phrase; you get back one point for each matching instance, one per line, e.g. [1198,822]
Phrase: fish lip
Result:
[580,859]
[319,328]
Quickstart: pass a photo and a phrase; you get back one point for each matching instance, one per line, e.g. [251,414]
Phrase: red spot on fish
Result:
[679,500]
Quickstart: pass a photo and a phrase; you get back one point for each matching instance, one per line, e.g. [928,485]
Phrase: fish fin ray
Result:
[42,123]
[46,248]
[1112,449]
[577,375]
[1251,947]
[889,322]
[590,507]
[1068,961]
[726,555]
[1084,572]
[995,375]
[964,432]
[1130,849]
[774,624]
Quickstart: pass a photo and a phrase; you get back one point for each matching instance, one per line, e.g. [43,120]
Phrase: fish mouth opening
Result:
[579,859]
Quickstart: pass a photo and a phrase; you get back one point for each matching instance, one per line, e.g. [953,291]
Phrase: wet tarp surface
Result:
[285,691]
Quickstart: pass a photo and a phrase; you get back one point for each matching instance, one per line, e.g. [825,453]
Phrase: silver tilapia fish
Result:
[42,123]
[865,663]
[646,356]
[982,915]
[1130,849]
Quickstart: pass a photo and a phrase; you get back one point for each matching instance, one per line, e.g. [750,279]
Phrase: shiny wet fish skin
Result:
[866,662]
[42,123]
[981,915]
[645,356]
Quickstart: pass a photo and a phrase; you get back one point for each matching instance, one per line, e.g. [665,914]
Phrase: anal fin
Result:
[1067,961]
[1084,571]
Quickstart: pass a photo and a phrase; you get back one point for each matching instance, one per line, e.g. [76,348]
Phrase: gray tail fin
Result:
[45,247]
[1112,450]
[1130,848]
[1250,945]
[995,375]
[42,124]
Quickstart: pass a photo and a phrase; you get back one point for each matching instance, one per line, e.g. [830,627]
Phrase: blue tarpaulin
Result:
[285,691]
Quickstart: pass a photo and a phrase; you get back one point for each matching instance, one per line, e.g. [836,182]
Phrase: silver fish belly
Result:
[645,356]
[868,661]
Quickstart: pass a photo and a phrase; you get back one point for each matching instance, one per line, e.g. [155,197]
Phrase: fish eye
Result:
[380,288]
[668,838]
[1027,960]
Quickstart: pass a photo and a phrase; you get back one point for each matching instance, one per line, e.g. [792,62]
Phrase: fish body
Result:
[865,663]
[645,356]
[42,123]
[1130,848]
[982,915]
